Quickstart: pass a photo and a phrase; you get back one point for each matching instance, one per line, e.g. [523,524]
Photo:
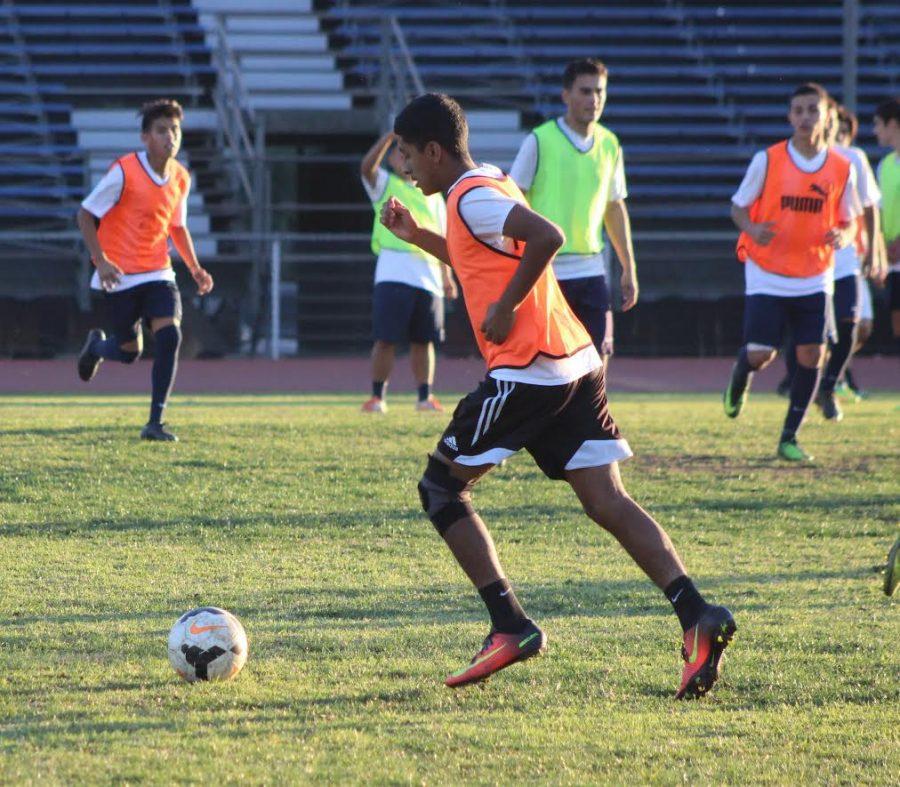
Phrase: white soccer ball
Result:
[207,643]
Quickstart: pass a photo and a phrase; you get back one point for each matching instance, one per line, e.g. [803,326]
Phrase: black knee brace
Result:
[444,498]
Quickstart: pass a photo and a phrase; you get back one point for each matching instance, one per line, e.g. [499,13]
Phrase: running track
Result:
[334,375]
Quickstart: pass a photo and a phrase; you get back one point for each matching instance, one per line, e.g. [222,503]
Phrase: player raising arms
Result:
[139,204]
[408,302]
[796,204]
[572,172]
[544,392]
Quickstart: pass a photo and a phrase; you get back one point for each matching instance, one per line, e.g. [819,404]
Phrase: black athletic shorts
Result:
[893,283]
[564,427]
[589,299]
[401,313]
[126,309]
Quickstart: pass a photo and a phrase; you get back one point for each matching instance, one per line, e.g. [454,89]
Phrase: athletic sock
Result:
[840,356]
[110,350]
[424,391]
[686,601]
[165,362]
[802,390]
[790,360]
[378,388]
[740,375]
[849,379]
[507,615]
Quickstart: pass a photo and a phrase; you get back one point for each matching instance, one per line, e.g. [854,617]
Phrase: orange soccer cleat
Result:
[498,652]
[704,643]
[375,405]
[430,405]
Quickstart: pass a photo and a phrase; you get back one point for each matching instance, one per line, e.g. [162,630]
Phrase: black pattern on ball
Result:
[201,659]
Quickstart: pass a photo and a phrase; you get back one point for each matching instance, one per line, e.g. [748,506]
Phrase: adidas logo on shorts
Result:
[450,442]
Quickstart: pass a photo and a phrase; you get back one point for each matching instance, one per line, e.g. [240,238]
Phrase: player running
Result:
[572,171]
[544,392]
[408,301]
[795,205]
[126,222]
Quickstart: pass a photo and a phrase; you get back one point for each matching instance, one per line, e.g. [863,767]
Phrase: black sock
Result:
[848,378]
[507,615]
[840,356]
[110,350]
[686,600]
[424,391]
[378,388]
[790,360]
[165,362]
[740,375]
[802,389]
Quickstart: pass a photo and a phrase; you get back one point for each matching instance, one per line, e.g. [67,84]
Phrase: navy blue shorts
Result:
[893,283]
[401,313]
[126,309]
[589,299]
[767,318]
[846,299]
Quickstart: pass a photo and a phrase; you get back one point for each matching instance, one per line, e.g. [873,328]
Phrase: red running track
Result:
[335,375]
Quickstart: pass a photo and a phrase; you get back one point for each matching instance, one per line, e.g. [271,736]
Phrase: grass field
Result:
[300,515]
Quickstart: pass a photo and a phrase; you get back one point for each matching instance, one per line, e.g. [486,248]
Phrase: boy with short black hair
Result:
[571,170]
[544,392]
[796,204]
[126,222]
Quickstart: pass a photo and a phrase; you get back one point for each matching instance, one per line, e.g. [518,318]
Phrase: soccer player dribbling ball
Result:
[544,392]
[126,222]
[796,205]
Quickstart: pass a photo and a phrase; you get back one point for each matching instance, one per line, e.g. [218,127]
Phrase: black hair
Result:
[811,89]
[889,110]
[159,108]
[434,117]
[848,117]
[586,65]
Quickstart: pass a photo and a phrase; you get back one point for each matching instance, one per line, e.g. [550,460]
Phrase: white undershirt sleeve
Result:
[850,206]
[752,184]
[376,192]
[106,193]
[618,190]
[525,166]
[485,210]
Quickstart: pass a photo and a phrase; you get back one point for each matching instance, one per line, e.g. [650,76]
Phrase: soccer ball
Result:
[207,643]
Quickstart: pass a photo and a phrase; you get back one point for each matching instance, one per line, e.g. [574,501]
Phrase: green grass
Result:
[301,516]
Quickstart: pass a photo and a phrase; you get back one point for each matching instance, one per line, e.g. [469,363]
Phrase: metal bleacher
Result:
[65,62]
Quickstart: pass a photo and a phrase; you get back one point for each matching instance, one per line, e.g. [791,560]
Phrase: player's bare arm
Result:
[184,244]
[397,218]
[451,291]
[542,240]
[762,232]
[618,226]
[368,168]
[108,272]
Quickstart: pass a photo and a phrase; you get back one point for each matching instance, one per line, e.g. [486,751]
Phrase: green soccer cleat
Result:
[789,450]
[733,407]
[845,392]
[892,569]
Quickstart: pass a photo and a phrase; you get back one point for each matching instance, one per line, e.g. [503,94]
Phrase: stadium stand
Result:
[695,88]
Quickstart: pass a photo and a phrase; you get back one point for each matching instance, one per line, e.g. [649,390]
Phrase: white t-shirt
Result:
[762,282]
[846,261]
[523,170]
[485,210]
[104,197]
[406,267]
